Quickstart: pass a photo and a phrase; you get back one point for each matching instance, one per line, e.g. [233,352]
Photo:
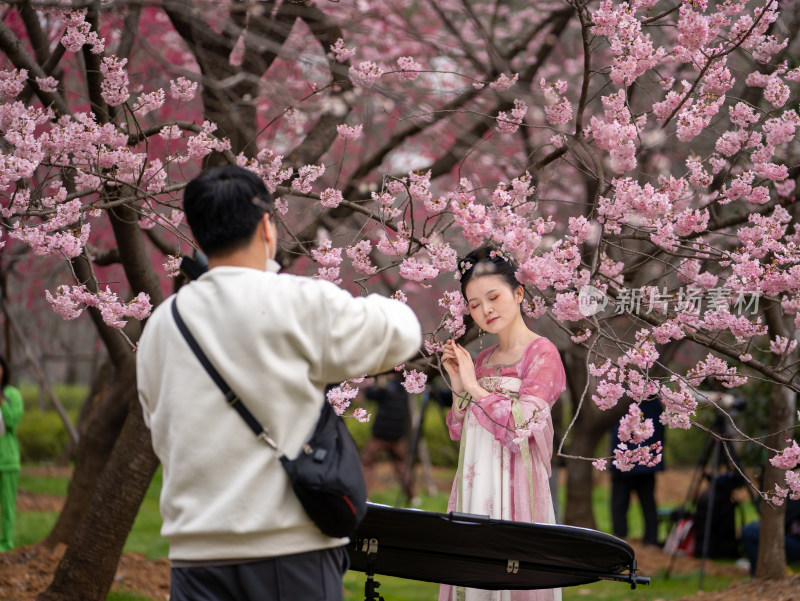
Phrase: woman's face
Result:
[492,303]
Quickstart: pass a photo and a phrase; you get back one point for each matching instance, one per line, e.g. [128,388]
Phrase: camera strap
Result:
[231,398]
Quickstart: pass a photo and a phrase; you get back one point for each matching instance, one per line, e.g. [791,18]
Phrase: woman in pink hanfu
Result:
[501,411]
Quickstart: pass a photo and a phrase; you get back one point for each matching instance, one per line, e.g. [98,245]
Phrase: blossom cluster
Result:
[329,259]
[414,381]
[509,123]
[365,74]
[341,397]
[70,301]
[626,458]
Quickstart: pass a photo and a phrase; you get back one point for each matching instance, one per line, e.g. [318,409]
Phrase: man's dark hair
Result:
[488,260]
[223,207]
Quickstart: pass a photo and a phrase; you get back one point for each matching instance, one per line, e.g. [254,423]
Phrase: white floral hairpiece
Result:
[463,267]
[499,254]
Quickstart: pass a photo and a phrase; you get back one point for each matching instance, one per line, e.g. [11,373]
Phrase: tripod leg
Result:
[694,488]
[709,510]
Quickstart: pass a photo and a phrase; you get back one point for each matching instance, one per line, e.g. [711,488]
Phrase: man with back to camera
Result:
[236,529]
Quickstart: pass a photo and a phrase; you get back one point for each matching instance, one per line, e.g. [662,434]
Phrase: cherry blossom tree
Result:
[636,159]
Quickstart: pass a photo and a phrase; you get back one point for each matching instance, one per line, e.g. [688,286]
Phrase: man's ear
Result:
[270,233]
[264,226]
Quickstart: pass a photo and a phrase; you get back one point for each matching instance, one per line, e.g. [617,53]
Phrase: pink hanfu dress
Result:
[497,476]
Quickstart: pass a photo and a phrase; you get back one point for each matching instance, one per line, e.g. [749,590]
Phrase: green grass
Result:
[33,526]
[660,587]
[115,596]
[145,538]
[50,485]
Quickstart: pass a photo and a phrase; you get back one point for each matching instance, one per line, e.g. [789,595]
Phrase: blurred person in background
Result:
[389,433]
[11,410]
[750,534]
[641,480]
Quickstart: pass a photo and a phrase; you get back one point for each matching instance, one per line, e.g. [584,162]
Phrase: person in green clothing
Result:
[10,414]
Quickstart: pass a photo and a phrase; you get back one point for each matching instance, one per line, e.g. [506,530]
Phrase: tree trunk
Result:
[587,432]
[106,408]
[87,570]
[579,510]
[771,551]
[782,402]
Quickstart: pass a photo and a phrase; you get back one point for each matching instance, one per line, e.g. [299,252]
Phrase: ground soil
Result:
[27,571]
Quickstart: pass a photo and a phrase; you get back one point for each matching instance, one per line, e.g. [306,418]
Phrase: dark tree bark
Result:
[87,569]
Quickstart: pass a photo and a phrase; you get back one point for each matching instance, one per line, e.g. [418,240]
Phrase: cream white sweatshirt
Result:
[278,340]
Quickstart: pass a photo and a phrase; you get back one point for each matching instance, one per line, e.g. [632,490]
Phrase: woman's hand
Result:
[466,371]
[451,365]
[459,365]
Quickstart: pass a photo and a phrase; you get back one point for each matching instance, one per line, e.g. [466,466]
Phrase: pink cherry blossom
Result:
[147,103]
[418,270]
[409,67]
[366,74]
[115,82]
[361,415]
[70,301]
[330,198]
[359,254]
[414,381]
[182,89]
[504,82]
[47,84]
[443,257]
[633,427]
[350,132]
[306,176]
[509,124]
[782,346]
[679,406]
[715,367]
[625,459]
[326,255]
[341,396]
[788,458]
[341,52]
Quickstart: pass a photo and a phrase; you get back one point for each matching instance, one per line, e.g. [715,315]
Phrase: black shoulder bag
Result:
[326,476]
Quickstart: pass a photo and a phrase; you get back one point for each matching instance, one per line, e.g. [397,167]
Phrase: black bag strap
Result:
[231,398]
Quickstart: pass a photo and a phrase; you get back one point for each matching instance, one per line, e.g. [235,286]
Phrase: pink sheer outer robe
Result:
[506,446]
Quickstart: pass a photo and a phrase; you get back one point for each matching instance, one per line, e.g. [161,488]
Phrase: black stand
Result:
[371,585]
